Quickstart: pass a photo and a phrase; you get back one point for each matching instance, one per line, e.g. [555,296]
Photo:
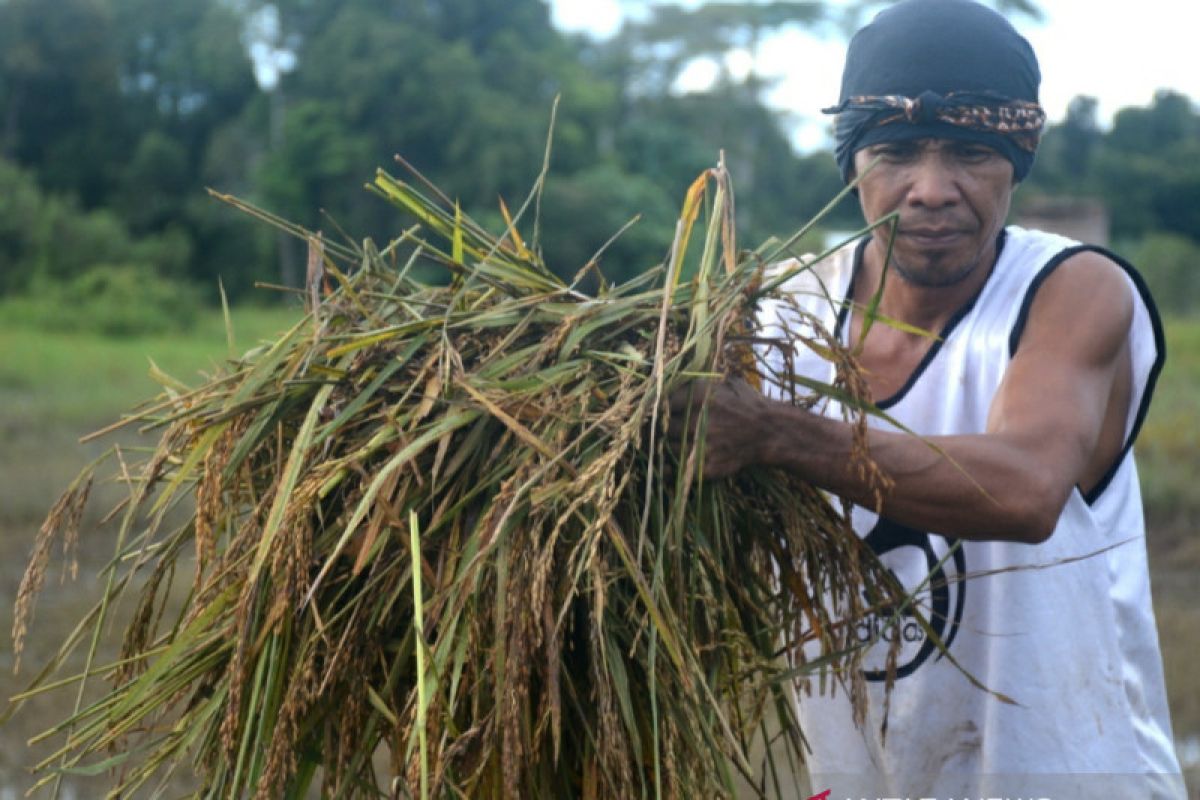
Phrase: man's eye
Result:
[975,154]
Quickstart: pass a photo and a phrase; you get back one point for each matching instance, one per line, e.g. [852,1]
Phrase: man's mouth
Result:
[933,236]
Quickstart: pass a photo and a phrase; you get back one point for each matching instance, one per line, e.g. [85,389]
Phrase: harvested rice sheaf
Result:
[437,546]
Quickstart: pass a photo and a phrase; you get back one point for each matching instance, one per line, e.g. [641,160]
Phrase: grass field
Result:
[55,387]
[1168,454]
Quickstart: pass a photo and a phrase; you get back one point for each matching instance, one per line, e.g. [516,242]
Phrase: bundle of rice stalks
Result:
[436,545]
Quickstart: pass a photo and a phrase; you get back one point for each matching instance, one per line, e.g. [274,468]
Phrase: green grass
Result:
[1168,454]
[54,380]
[55,387]
[1168,450]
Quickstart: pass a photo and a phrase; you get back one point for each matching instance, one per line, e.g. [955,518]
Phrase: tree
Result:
[1067,153]
[1080,136]
[187,82]
[46,237]
[58,86]
[673,36]
[1170,119]
[153,101]
[423,80]
[1148,168]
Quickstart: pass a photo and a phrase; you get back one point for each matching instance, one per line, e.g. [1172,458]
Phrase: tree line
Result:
[1145,169]
[115,115]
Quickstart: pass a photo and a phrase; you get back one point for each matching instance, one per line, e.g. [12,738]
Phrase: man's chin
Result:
[934,273]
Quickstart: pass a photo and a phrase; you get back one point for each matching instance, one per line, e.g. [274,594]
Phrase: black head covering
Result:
[942,52]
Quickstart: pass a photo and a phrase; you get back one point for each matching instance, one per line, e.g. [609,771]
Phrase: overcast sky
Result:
[1119,53]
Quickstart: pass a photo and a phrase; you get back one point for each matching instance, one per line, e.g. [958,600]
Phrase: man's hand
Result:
[729,416]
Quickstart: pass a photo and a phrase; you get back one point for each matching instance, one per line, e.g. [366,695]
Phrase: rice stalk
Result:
[442,520]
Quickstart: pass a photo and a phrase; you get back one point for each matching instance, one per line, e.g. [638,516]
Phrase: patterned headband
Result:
[1019,120]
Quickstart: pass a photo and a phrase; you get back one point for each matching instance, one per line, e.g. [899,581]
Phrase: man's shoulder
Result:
[1062,260]
[1083,291]
[1035,245]
[1089,274]
[1033,259]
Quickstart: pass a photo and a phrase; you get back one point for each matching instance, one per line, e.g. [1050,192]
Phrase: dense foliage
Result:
[116,114]
[153,102]
[1146,172]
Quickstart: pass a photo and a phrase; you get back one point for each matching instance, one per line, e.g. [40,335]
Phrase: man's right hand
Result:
[730,416]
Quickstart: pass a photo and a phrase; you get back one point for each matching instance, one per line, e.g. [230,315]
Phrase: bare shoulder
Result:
[1087,300]
[1089,275]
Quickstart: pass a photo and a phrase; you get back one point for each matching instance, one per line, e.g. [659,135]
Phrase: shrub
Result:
[1169,262]
[46,237]
[109,300]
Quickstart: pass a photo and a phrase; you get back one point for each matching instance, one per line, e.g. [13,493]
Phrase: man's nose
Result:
[934,183]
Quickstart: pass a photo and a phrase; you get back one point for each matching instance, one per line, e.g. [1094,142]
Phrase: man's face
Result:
[953,198]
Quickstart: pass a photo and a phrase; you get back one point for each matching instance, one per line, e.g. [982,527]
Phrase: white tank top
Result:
[1073,644]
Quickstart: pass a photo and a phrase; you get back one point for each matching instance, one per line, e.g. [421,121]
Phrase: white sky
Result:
[1119,53]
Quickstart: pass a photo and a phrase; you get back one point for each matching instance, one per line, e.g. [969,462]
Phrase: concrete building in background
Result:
[1076,218]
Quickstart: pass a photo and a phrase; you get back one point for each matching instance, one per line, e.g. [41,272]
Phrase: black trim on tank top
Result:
[1160,346]
[947,329]
[848,299]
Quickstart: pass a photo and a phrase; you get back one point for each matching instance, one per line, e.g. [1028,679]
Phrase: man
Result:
[1020,529]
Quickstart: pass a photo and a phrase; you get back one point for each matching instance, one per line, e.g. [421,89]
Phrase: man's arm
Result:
[1057,418]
